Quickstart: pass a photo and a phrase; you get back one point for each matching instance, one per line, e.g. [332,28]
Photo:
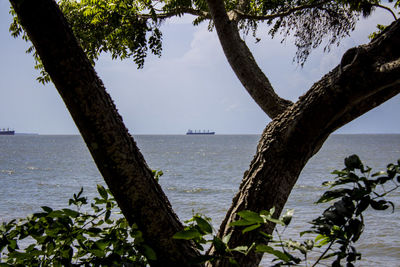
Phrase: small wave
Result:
[9,172]
[196,190]
[32,168]
[199,190]
[193,190]
[309,187]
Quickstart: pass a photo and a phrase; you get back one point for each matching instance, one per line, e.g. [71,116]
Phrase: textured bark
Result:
[113,149]
[367,76]
[243,63]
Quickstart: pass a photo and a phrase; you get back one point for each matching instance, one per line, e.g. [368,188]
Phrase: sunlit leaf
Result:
[187,234]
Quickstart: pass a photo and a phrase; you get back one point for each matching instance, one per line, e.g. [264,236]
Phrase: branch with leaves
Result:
[336,231]
[74,237]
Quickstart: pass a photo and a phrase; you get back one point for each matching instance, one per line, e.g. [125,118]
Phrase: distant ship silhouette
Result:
[199,132]
[7,132]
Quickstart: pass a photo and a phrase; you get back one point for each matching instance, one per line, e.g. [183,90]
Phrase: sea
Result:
[201,175]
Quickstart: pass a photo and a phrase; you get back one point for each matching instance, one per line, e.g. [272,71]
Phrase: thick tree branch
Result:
[387,9]
[243,15]
[288,142]
[243,64]
[177,12]
[114,151]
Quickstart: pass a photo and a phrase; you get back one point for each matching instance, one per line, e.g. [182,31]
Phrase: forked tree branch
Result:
[243,64]
[387,9]
[177,12]
[242,15]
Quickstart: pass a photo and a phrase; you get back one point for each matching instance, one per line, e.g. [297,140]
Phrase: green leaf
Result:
[272,211]
[101,244]
[379,205]
[363,205]
[149,253]
[241,249]
[102,191]
[94,230]
[353,162]
[340,173]
[187,234]
[107,216]
[226,238]
[355,228]
[233,262]
[267,249]
[330,255]
[12,244]
[242,223]
[56,214]
[276,221]
[251,228]
[250,216]
[333,194]
[220,245]
[47,209]
[268,236]
[287,218]
[323,240]
[203,224]
[379,173]
[71,213]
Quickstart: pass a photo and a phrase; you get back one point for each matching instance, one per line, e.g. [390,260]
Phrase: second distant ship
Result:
[199,132]
[7,132]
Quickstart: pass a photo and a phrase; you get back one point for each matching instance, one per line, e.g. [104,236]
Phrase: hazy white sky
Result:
[190,86]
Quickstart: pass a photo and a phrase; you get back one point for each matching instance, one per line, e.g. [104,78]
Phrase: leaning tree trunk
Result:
[114,151]
[367,76]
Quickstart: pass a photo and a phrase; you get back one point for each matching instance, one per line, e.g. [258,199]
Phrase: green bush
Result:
[70,237]
[335,232]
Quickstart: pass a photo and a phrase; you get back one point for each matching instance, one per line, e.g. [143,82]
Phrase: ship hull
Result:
[7,132]
[210,133]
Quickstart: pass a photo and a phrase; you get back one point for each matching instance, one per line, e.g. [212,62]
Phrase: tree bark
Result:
[114,151]
[367,76]
[243,63]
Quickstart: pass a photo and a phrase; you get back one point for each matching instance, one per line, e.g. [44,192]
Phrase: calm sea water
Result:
[201,174]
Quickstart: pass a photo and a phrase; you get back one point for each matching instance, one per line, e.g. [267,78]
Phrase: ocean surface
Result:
[201,174]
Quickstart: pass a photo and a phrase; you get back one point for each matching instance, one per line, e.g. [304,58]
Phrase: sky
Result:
[190,87]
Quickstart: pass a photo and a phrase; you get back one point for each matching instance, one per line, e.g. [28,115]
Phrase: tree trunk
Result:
[114,151]
[367,76]
[243,63]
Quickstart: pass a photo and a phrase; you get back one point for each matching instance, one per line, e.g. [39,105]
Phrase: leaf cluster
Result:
[353,191]
[200,227]
[340,226]
[115,27]
[71,237]
[131,29]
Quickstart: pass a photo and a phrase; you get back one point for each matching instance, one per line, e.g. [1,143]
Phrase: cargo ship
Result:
[7,132]
[199,132]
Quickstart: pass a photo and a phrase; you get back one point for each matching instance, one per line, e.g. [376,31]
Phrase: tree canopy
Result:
[131,29]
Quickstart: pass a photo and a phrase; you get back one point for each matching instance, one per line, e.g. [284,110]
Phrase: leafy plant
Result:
[353,190]
[73,237]
[342,224]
